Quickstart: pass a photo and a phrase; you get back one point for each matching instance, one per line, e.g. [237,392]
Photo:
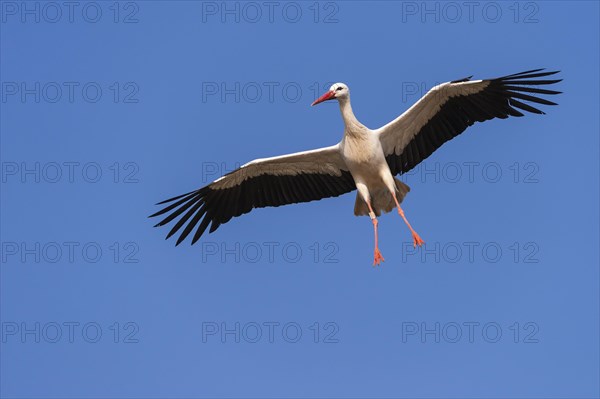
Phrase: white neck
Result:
[352,124]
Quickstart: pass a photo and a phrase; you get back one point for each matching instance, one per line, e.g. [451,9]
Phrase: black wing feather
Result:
[216,206]
[498,100]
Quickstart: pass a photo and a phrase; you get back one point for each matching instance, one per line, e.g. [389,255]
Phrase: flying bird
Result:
[364,159]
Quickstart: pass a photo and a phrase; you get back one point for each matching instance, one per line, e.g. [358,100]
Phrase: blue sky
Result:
[107,109]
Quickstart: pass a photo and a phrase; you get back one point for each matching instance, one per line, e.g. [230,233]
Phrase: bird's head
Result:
[337,91]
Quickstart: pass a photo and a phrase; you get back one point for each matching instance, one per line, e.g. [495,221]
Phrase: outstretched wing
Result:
[449,109]
[288,179]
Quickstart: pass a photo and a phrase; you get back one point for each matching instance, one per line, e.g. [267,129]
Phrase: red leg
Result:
[416,239]
[378,258]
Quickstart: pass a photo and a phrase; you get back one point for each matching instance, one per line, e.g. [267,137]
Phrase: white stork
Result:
[364,159]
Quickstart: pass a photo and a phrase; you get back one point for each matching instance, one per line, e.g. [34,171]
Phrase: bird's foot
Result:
[378,258]
[416,239]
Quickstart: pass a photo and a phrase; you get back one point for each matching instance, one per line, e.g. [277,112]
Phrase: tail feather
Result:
[381,200]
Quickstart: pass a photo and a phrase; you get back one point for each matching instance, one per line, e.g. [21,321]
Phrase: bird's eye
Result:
[339,88]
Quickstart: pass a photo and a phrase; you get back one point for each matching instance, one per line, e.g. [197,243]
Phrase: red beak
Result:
[327,96]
